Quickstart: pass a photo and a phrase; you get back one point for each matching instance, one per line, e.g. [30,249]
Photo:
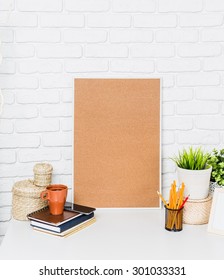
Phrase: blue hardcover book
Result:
[65,226]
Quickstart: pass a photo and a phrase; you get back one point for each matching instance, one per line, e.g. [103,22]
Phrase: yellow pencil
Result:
[164,201]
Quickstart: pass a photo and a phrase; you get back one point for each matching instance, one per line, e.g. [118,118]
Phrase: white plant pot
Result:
[196,182]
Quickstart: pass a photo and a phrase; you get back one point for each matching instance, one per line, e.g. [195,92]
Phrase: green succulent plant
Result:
[193,159]
[216,160]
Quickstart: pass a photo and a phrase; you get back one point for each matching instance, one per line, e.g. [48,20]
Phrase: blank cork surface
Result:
[117,142]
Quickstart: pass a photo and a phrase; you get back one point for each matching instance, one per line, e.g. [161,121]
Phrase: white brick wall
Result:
[47,43]
[40,5]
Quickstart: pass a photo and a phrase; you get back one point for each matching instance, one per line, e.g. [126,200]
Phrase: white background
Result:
[30,269]
[48,43]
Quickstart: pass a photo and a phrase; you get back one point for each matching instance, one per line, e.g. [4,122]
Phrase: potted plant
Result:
[216,160]
[194,171]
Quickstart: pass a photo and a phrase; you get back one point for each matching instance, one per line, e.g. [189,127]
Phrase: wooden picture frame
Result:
[117,142]
[216,218]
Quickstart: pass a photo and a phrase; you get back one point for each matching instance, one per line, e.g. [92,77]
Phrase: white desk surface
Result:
[128,234]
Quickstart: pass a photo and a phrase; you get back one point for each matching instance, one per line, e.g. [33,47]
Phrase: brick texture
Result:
[45,44]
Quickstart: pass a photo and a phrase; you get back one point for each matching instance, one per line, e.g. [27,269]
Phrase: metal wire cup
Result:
[173,219]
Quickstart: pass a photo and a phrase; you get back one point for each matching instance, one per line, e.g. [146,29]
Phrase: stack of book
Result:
[74,218]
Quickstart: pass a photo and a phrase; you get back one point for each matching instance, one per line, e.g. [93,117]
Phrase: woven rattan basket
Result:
[42,174]
[26,199]
[196,212]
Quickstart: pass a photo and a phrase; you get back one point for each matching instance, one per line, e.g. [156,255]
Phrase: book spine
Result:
[75,222]
[45,226]
[69,231]
[67,225]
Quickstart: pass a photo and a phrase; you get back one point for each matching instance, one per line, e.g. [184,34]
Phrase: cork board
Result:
[117,142]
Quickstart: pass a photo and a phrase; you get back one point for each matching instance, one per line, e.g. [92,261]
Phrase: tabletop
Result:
[127,234]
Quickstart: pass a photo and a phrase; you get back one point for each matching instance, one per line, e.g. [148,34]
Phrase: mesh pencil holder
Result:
[197,211]
[26,199]
[42,174]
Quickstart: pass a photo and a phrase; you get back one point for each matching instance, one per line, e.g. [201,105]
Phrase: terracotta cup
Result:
[56,196]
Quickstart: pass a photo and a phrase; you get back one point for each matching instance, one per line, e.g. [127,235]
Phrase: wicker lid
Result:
[26,188]
[42,168]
